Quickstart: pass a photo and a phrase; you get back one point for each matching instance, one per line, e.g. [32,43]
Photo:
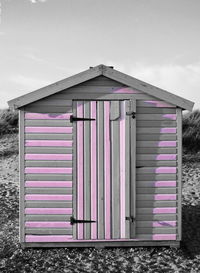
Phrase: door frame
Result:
[132,132]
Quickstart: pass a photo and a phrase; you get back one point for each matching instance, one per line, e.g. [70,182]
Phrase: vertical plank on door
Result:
[133,168]
[74,170]
[107,168]
[86,170]
[127,170]
[80,185]
[115,114]
[93,106]
[100,172]
[122,169]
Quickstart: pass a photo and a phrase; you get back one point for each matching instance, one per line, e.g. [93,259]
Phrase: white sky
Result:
[43,41]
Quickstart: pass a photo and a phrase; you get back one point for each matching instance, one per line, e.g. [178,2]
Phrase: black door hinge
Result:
[72,119]
[132,114]
[75,221]
[130,218]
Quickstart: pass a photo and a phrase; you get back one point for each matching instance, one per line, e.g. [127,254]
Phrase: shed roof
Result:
[108,72]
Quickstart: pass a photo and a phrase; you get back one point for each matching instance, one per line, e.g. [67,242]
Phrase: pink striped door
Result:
[102,176]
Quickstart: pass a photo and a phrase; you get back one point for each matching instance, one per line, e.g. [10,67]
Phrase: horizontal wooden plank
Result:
[48,177]
[48,170]
[55,211]
[141,144]
[96,90]
[53,102]
[48,150]
[156,150]
[35,136]
[48,157]
[155,217]
[156,157]
[56,129]
[63,190]
[155,123]
[150,137]
[100,81]
[149,184]
[155,190]
[144,170]
[48,224]
[48,204]
[157,237]
[156,197]
[155,204]
[156,230]
[45,163]
[48,197]
[47,217]
[156,177]
[153,110]
[59,238]
[156,116]
[149,224]
[152,163]
[154,103]
[157,130]
[67,231]
[48,184]
[48,143]
[47,123]
[163,210]
[53,116]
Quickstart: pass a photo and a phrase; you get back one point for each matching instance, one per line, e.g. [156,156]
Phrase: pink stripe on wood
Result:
[167,144]
[67,130]
[122,170]
[80,208]
[49,143]
[48,197]
[48,211]
[47,224]
[165,197]
[48,170]
[47,238]
[165,170]
[164,210]
[107,168]
[155,103]
[48,156]
[170,116]
[164,224]
[165,183]
[168,130]
[126,90]
[166,157]
[162,237]
[47,116]
[48,184]
[93,172]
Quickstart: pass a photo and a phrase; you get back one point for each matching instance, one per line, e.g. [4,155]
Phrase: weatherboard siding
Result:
[48,158]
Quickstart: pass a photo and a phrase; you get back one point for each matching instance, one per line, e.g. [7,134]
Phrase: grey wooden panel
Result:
[149,184]
[87,164]
[155,204]
[128,168]
[48,163]
[149,137]
[48,123]
[48,177]
[149,157]
[51,101]
[152,103]
[144,170]
[156,150]
[156,163]
[114,110]
[149,224]
[47,109]
[21,176]
[156,190]
[49,231]
[147,196]
[48,204]
[154,117]
[101,81]
[149,130]
[48,136]
[115,162]
[156,123]
[154,110]
[100,169]
[48,150]
[157,177]
[156,230]
[179,132]
[149,211]
[46,217]
[87,90]
[149,144]
[156,217]
[49,190]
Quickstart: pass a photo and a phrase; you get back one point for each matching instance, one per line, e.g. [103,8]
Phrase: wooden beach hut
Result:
[100,162]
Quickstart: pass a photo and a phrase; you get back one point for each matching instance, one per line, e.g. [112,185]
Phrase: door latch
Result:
[72,119]
[130,218]
[76,221]
[132,114]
